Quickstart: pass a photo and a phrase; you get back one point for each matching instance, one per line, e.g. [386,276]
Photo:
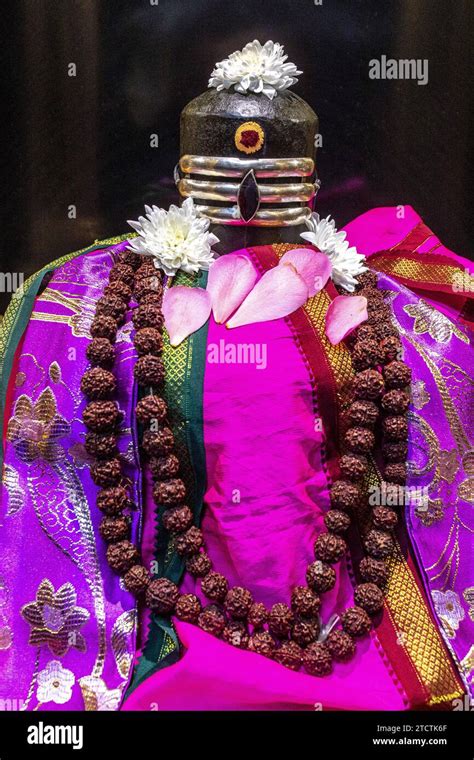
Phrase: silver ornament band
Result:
[284,217]
[195,175]
[225,166]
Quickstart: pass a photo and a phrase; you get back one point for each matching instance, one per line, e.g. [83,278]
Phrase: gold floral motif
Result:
[97,696]
[448,464]
[419,395]
[54,372]
[55,619]
[35,428]
[20,379]
[431,321]
[466,490]
[430,514]
[467,662]
[468,595]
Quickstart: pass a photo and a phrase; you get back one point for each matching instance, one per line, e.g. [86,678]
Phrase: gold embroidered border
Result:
[418,271]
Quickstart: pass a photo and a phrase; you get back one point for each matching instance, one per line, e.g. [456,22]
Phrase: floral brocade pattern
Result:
[67,628]
[441,464]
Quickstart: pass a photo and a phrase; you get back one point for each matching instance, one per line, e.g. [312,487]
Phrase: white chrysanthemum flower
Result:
[256,68]
[346,262]
[176,239]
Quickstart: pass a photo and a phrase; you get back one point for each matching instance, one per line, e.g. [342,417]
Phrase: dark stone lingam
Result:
[209,125]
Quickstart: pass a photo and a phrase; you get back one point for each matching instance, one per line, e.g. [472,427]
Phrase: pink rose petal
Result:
[345,314]
[278,293]
[314,267]
[185,310]
[231,278]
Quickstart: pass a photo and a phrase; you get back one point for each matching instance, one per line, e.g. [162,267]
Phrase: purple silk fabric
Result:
[67,627]
[267,493]
[440,518]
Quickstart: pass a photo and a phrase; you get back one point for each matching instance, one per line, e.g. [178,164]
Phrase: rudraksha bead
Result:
[236,634]
[161,596]
[188,608]
[147,315]
[101,445]
[317,660]
[122,272]
[215,586]
[384,518]
[262,643]
[354,466]
[177,519]
[337,521]
[280,620]
[366,354]
[149,370]
[395,402]
[136,580]
[104,327]
[379,544]
[122,555]
[356,622]
[396,472]
[363,332]
[341,646]
[363,413]
[304,632]
[378,312]
[397,374]
[345,495]
[198,565]
[158,442]
[304,602]
[329,548]
[98,383]
[146,285]
[189,542]
[112,500]
[320,577]
[101,353]
[374,296]
[385,330]
[367,280]
[114,528]
[156,299]
[374,571]
[390,348]
[150,409]
[359,440]
[395,451]
[212,620]
[111,305]
[146,269]
[131,258]
[169,492]
[290,655]
[164,468]
[106,472]
[101,416]
[238,602]
[148,340]
[395,427]
[258,615]
[369,597]
[368,384]
[120,289]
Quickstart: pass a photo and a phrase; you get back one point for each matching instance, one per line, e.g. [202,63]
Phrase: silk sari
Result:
[256,414]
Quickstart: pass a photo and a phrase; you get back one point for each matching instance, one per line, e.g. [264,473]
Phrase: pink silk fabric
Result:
[267,493]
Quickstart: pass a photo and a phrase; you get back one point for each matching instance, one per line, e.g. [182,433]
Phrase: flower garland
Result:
[290,635]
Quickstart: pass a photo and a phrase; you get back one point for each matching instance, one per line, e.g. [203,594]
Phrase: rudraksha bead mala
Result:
[379,392]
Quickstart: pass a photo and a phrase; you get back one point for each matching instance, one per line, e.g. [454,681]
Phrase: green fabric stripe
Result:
[184,396]
[18,313]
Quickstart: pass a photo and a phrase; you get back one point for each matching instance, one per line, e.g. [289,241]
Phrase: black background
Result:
[85,140]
